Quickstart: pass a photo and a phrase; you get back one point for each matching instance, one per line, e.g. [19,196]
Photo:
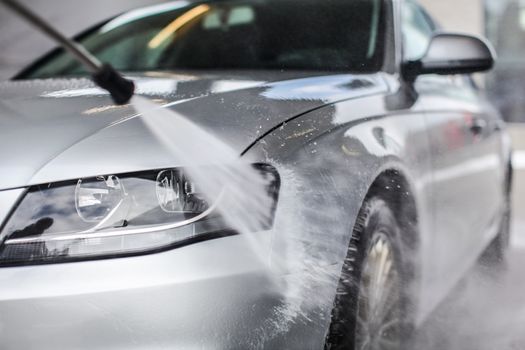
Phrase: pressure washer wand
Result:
[104,75]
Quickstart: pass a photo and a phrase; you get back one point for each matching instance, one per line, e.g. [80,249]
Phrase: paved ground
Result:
[483,313]
[487,313]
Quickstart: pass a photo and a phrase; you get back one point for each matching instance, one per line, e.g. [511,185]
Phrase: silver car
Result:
[386,171]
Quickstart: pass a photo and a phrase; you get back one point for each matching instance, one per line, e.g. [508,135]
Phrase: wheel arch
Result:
[394,187]
[509,180]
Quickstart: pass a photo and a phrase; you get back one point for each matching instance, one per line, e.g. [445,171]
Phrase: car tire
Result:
[372,273]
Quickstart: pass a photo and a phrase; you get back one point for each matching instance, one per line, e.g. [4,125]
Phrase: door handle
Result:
[499,125]
[478,126]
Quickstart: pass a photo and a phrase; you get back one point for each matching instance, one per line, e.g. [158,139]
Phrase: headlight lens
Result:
[95,199]
[109,216]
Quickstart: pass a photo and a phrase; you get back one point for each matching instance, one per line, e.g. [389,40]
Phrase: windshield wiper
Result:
[104,75]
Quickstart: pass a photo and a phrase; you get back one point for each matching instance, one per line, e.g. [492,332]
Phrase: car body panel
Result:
[79,123]
[343,149]
[469,175]
[151,302]
[317,155]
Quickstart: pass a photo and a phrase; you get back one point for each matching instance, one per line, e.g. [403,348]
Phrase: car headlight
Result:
[117,215]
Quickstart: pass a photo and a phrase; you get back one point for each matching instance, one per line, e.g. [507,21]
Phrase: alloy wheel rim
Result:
[379,314]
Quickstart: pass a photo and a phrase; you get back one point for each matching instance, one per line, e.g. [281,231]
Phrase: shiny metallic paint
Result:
[335,140]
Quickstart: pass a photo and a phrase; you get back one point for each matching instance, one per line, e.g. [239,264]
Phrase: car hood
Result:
[62,129]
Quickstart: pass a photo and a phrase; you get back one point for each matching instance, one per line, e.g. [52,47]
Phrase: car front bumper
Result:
[212,295]
[218,294]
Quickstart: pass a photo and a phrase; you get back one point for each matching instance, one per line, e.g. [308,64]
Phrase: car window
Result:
[237,34]
[417,31]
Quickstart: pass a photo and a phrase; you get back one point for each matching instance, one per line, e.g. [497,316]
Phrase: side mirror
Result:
[450,53]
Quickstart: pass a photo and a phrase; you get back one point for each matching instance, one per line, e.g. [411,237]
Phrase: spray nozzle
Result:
[120,88]
[104,75]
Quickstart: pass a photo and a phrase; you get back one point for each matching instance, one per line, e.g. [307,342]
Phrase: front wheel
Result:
[370,306]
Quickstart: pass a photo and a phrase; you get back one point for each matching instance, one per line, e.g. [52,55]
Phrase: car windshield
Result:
[245,34]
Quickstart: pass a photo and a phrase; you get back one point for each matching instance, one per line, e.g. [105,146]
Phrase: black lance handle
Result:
[105,76]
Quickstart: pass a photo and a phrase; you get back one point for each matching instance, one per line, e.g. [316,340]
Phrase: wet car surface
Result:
[370,163]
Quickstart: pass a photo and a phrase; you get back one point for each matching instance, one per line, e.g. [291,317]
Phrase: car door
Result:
[465,176]
[488,169]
